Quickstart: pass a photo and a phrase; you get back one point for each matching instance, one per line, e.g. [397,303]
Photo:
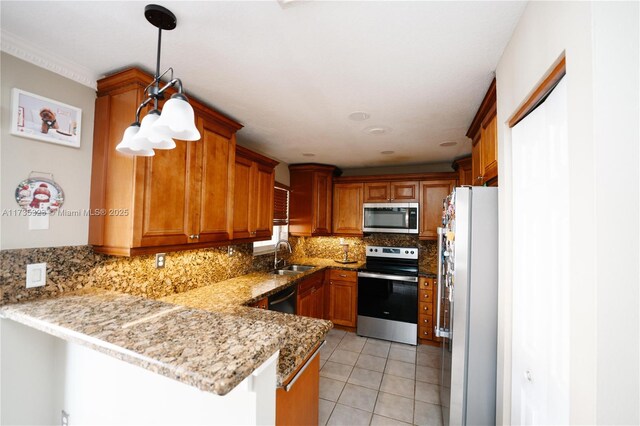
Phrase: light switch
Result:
[36,275]
[38,222]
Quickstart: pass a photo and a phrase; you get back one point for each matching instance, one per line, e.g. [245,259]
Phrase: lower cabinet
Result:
[297,402]
[343,297]
[261,304]
[310,301]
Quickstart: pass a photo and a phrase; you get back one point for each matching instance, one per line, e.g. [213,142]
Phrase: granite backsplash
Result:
[330,248]
[75,267]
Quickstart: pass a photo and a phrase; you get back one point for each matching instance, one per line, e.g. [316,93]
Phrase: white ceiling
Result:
[293,74]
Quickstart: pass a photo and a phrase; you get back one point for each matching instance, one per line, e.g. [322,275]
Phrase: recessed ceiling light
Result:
[359,116]
[387,152]
[448,143]
[377,130]
[308,154]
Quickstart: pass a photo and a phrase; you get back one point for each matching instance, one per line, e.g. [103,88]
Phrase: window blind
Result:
[280,205]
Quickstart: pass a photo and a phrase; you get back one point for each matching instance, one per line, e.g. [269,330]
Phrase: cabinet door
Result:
[162,190]
[342,300]
[405,192]
[489,154]
[318,295]
[476,163]
[432,195]
[242,200]
[305,303]
[212,220]
[263,211]
[377,192]
[347,208]
[322,204]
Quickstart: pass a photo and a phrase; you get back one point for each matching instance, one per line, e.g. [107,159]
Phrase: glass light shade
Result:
[148,137]
[177,120]
[128,146]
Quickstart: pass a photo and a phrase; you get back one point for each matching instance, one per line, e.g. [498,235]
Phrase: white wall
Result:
[71,167]
[43,375]
[600,41]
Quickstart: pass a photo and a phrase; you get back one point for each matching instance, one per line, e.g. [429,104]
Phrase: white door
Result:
[540,363]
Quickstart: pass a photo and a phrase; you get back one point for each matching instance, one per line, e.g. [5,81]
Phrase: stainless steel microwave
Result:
[397,218]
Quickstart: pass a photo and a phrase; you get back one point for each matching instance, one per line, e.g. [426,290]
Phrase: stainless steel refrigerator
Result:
[467,309]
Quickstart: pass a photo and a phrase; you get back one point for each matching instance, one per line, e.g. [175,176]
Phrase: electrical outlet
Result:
[64,418]
[160,260]
[231,250]
[36,275]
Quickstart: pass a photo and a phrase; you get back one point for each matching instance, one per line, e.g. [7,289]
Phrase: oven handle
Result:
[388,277]
[438,331]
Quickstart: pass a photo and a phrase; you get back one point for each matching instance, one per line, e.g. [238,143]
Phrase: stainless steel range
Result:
[388,294]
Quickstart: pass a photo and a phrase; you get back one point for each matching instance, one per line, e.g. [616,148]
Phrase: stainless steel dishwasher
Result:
[284,300]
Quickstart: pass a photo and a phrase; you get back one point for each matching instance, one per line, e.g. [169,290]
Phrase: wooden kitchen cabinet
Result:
[178,199]
[310,208]
[310,301]
[253,196]
[426,308]
[261,304]
[464,168]
[432,194]
[343,297]
[347,208]
[383,192]
[483,133]
[299,405]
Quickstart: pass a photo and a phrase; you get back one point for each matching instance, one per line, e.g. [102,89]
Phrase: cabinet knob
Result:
[197,236]
[192,236]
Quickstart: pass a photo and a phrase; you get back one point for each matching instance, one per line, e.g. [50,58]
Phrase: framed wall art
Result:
[43,119]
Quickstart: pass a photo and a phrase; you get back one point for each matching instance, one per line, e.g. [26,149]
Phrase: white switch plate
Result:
[38,222]
[36,275]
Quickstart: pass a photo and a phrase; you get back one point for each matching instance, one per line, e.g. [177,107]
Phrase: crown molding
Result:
[25,50]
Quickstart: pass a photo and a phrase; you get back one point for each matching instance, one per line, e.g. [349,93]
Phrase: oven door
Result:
[388,307]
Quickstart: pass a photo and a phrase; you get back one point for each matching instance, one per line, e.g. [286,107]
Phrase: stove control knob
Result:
[412,252]
[406,252]
[376,250]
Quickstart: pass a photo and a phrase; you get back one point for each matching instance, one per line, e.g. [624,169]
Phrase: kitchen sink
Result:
[298,268]
[285,272]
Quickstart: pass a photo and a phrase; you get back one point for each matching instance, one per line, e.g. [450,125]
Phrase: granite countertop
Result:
[207,337]
[232,296]
[209,350]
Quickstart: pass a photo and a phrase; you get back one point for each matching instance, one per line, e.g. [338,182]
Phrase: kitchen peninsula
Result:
[208,339]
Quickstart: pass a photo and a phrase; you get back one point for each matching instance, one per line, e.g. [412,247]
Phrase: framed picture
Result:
[44,119]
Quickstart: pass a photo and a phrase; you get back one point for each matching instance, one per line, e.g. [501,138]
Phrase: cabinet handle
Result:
[479,178]
[343,275]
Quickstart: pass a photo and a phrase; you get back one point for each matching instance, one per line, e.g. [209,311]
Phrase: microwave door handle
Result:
[438,331]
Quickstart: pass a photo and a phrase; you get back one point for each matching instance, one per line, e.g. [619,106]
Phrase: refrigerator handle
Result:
[438,331]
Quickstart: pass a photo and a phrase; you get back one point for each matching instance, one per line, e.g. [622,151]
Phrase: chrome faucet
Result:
[275,256]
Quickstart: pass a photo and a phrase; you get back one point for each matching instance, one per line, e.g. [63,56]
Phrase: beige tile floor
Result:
[366,381]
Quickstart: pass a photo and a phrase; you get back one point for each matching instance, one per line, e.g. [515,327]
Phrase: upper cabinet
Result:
[432,194]
[310,199]
[178,199]
[347,208]
[464,168]
[391,192]
[253,196]
[483,133]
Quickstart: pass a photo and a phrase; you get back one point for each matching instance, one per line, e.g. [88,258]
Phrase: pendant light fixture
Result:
[176,120]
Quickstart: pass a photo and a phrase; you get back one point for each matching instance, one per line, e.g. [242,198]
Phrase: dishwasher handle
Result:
[282,299]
